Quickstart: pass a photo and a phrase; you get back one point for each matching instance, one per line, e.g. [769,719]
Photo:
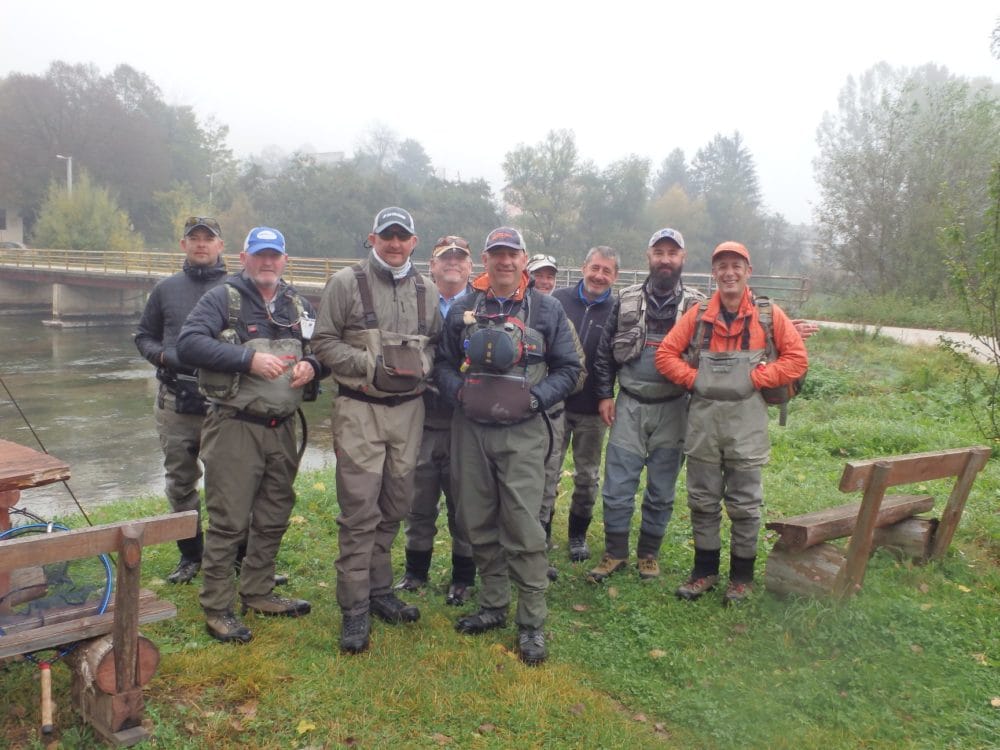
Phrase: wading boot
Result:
[354,632]
[276,606]
[531,646]
[393,610]
[226,627]
[185,571]
[483,620]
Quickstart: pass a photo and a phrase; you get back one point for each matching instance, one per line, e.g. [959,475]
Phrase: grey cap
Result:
[667,234]
[505,237]
[542,261]
[393,215]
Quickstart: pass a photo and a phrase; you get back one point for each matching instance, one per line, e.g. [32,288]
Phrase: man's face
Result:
[545,279]
[504,266]
[731,273]
[451,268]
[393,244]
[264,267]
[599,273]
[666,261]
[201,247]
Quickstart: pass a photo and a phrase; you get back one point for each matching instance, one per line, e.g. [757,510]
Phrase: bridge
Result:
[81,287]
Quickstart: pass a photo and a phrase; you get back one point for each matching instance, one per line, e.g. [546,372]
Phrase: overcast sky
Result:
[472,80]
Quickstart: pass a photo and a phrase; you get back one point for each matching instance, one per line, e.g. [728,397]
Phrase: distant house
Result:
[11,227]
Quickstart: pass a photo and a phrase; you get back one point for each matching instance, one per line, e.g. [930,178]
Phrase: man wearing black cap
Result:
[377,326]
[450,268]
[180,408]
[506,355]
[249,339]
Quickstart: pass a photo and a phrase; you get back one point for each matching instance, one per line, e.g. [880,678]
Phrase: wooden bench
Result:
[108,672]
[802,563]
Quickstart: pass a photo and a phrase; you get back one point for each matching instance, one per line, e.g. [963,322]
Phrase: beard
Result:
[664,280]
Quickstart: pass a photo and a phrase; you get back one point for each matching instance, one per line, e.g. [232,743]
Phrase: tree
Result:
[90,219]
[900,142]
[543,187]
[673,171]
[724,174]
[412,165]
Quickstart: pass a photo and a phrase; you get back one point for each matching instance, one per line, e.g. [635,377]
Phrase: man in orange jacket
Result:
[727,443]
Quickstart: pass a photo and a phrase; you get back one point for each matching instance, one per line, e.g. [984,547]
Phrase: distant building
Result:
[11,227]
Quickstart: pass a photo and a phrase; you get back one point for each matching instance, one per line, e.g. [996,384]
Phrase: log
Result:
[801,532]
[810,572]
[95,660]
[910,539]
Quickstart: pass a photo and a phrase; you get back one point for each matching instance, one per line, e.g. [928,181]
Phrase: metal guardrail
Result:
[789,291]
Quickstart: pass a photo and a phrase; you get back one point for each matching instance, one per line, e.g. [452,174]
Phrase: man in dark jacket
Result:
[588,305]
[506,355]
[180,409]
[249,339]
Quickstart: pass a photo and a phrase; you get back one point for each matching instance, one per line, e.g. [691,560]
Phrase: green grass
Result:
[912,662]
[888,310]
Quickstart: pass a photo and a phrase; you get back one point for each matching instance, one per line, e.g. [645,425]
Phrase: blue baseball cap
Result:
[264,238]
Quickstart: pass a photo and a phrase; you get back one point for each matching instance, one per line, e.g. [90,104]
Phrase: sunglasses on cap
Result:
[202,221]
[450,243]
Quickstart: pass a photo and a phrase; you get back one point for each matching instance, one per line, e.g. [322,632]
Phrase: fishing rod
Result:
[44,449]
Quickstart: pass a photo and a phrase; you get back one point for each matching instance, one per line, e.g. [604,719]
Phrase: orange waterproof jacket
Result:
[792,359]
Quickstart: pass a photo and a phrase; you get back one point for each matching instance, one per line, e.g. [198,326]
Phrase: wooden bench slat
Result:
[803,531]
[52,636]
[41,549]
[15,623]
[913,467]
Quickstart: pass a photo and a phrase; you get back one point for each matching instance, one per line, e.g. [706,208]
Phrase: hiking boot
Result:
[392,609]
[185,571]
[226,627]
[649,568]
[531,646]
[551,573]
[578,549]
[354,632]
[458,594]
[737,592]
[410,582]
[483,620]
[605,568]
[276,606]
[280,579]
[694,587]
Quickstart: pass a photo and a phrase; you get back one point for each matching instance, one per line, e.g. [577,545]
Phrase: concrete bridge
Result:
[89,288]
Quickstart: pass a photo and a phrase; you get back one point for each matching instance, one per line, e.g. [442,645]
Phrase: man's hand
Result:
[302,373]
[805,328]
[270,366]
[606,408]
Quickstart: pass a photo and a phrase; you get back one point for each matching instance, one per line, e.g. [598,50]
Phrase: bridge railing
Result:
[313,273]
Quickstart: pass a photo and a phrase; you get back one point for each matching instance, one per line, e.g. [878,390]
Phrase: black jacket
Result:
[198,345]
[589,319]
[166,310]
[548,319]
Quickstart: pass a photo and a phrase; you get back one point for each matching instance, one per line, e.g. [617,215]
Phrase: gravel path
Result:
[915,336]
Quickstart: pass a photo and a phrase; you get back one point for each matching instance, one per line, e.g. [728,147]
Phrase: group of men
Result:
[474,388]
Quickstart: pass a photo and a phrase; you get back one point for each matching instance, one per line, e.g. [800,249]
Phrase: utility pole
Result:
[69,173]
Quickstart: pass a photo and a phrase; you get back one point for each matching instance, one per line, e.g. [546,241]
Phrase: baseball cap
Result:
[450,243]
[732,247]
[393,215]
[505,237]
[541,261]
[264,238]
[667,234]
[204,222]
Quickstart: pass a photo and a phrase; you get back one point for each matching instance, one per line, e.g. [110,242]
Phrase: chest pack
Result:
[630,336]
[779,395]
[399,366]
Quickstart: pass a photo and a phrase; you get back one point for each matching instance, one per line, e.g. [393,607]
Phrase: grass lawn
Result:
[912,662]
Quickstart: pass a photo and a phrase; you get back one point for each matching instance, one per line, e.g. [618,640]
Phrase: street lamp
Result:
[69,173]
[211,186]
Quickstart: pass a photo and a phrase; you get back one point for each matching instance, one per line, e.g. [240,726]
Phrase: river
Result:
[89,397]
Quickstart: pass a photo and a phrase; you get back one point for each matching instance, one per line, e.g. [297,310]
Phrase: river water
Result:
[89,397]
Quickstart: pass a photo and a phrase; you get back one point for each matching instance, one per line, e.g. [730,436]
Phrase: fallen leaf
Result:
[580,607]
[248,709]
[441,739]
[323,584]
[964,589]
[639,717]
[923,588]
[319,487]
[487,728]
[576,709]
[305,726]
[657,653]
[916,648]
[612,592]
[981,659]
[926,606]
[297,519]
[236,725]
[995,702]
[740,628]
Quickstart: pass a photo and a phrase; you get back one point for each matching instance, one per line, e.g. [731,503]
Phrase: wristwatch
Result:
[533,404]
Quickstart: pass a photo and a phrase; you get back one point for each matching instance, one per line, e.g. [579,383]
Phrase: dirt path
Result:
[915,336]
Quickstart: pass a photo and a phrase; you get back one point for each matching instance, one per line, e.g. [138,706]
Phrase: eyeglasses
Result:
[394,234]
[206,221]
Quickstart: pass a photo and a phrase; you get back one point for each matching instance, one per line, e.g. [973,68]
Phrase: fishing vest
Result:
[248,392]
[634,347]
[504,357]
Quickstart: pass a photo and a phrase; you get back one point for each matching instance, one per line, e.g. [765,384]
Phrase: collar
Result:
[482,284]
[397,273]
[586,300]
